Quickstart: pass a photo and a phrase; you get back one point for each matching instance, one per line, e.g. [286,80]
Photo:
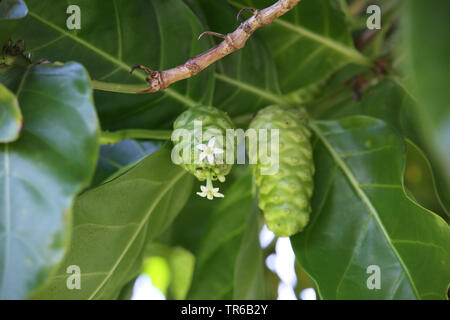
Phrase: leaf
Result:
[117,159]
[389,101]
[116,35]
[361,217]
[221,256]
[11,11]
[43,171]
[428,64]
[112,224]
[190,226]
[249,274]
[420,180]
[308,43]
[181,264]
[10,116]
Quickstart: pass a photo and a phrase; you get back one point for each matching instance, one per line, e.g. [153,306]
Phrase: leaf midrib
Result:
[138,230]
[365,199]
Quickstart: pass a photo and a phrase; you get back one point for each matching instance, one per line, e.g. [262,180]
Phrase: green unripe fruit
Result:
[214,124]
[284,197]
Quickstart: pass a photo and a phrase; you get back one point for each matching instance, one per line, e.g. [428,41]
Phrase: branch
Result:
[160,80]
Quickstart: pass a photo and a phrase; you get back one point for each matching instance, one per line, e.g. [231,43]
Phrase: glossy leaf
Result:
[116,35]
[10,116]
[362,217]
[43,171]
[308,43]
[221,258]
[389,101]
[112,224]
[427,51]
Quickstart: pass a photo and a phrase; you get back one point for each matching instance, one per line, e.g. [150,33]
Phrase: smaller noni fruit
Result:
[206,142]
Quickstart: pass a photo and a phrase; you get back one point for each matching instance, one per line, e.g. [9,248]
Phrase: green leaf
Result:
[246,80]
[116,35]
[249,273]
[221,258]
[11,11]
[191,225]
[361,217]
[181,264]
[10,116]
[116,159]
[420,180]
[389,101]
[43,171]
[428,64]
[112,224]
[308,43]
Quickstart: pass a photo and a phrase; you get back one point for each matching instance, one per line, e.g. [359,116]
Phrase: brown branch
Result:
[160,80]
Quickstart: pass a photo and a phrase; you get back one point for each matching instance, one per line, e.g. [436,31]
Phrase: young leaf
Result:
[221,259]
[10,116]
[362,217]
[112,224]
[43,171]
[114,36]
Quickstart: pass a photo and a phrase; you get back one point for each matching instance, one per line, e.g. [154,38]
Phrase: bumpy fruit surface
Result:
[214,123]
[284,197]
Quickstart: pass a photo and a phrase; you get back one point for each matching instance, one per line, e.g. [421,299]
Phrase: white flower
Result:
[210,192]
[208,151]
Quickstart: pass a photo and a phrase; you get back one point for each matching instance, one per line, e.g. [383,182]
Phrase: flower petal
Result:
[210,158]
[201,194]
[202,156]
[219,195]
[203,188]
[217,151]
[201,147]
[212,142]
[210,196]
